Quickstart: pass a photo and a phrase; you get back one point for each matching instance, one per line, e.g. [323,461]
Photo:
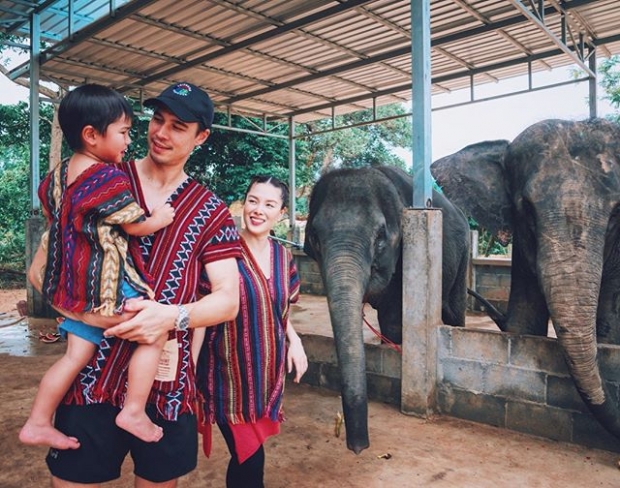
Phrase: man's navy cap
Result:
[188,102]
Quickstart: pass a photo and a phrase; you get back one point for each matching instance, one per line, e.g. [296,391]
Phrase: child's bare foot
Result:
[140,425]
[46,435]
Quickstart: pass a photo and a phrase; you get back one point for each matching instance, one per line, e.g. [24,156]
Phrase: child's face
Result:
[112,145]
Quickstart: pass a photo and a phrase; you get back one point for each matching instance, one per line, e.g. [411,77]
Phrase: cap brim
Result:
[174,106]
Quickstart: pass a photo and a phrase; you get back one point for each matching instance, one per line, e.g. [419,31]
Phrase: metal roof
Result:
[305,58]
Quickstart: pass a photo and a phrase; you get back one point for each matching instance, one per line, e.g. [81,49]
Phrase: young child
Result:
[92,266]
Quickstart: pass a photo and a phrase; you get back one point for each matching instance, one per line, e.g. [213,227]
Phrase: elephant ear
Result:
[473,179]
[402,181]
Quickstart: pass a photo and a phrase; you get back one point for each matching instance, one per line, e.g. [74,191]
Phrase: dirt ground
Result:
[404,452]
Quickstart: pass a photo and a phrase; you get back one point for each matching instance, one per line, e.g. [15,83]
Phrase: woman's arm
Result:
[296,355]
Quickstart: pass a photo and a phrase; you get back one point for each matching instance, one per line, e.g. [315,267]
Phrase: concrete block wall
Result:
[383,368]
[514,382]
[519,383]
[309,274]
[491,278]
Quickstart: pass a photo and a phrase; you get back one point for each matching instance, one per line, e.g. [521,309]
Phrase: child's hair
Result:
[275,182]
[91,104]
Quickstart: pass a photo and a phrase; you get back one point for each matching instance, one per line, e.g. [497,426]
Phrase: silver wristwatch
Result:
[182,321]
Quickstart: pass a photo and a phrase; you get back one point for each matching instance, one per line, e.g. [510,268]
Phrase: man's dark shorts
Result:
[104,446]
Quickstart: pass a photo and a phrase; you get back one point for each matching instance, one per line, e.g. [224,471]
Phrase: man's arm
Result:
[35,272]
[154,319]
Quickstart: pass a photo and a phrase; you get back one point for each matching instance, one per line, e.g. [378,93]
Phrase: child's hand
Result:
[164,214]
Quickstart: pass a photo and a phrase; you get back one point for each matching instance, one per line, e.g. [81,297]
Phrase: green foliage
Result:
[609,69]
[15,180]
[14,207]
[487,242]
[228,160]
[365,145]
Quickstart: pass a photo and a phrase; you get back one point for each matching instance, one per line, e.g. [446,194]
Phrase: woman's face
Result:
[262,208]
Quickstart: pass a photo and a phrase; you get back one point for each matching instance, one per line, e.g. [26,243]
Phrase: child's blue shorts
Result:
[89,332]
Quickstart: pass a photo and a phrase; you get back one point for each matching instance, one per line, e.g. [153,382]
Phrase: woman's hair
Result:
[91,104]
[275,182]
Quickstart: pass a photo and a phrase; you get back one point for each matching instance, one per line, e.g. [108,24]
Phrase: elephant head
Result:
[354,233]
[557,187]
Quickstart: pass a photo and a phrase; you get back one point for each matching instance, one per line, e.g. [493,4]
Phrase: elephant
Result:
[354,233]
[556,187]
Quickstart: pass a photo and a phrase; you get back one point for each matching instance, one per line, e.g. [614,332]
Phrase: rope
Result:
[384,339]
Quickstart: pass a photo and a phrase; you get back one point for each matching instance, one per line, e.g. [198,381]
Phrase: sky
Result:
[504,118]
[454,128]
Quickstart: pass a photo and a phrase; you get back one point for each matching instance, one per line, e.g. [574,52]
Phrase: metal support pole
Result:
[421,102]
[291,175]
[592,87]
[35,50]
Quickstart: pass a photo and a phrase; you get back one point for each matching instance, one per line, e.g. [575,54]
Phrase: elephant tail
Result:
[496,315]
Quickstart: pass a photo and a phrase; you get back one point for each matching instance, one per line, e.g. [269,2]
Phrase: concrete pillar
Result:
[37,306]
[422,244]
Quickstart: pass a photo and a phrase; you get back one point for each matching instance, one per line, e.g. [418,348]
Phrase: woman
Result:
[243,363]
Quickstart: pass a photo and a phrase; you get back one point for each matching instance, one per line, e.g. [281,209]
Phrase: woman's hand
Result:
[151,321]
[296,357]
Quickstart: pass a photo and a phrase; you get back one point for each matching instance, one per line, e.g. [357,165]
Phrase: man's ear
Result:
[202,136]
[89,135]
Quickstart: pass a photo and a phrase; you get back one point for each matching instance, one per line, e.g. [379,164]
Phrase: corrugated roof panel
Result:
[245,53]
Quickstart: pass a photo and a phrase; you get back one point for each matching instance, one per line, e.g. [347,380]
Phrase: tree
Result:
[363,145]
[14,177]
[609,68]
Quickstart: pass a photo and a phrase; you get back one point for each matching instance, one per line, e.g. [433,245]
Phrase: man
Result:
[202,238]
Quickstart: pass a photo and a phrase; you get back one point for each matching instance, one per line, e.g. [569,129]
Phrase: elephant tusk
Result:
[339,422]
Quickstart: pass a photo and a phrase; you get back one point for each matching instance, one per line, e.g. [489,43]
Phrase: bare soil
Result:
[404,452]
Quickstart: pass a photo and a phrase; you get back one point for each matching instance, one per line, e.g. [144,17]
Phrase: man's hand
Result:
[151,320]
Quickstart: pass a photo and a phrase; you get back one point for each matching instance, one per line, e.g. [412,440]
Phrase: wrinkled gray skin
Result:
[354,233]
[557,187]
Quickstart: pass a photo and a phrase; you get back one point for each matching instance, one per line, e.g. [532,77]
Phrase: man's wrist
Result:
[182,321]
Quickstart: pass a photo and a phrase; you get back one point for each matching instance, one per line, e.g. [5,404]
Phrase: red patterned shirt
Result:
[202,232]
[242,364]
[88,253]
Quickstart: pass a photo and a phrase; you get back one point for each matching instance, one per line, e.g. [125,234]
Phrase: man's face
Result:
[171,140]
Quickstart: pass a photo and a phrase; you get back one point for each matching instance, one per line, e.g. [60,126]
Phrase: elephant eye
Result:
[314,242]
[381,240]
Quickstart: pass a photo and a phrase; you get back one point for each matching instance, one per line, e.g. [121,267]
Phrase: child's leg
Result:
[142,371]
[39,429]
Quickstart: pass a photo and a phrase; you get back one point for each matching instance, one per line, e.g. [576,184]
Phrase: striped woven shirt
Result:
[242,364]
[202,232]
[88,253]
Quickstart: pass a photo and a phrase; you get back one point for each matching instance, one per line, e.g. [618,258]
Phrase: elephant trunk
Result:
[572,298]
[346,279]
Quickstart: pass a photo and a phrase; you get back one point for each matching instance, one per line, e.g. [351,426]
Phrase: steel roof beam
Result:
[435,80]
[93,29]
[558,42]
[296,24]
[495,26]
[83,34]
[202,37]
[36,10]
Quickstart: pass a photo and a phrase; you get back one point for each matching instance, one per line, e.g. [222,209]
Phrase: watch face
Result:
[182,321]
